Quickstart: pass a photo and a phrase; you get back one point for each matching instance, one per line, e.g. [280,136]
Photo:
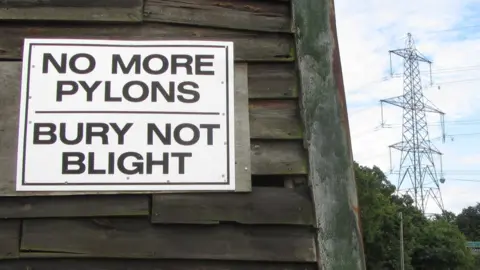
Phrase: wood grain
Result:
[73,10]
[261,206]
[267,16]
[327,137]
[272,80]
[249,46]
[243,171]
[9,238]
[277,157]
[137,238]
[122,264]
[275,119]
[74,206]
[10,76]
[267,157]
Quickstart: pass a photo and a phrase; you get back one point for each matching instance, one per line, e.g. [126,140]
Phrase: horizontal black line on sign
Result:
[127,184]
[126,112]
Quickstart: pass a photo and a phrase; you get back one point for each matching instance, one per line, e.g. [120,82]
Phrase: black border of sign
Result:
[227,82]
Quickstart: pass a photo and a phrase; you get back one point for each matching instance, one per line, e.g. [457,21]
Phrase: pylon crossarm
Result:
[421,58]
[404,53]
[396,101]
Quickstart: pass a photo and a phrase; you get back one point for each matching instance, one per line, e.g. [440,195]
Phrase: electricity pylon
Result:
[417,163]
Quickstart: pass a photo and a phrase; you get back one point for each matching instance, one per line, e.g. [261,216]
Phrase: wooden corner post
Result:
[327,138]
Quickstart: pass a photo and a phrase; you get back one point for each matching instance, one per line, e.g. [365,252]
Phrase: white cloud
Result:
[471,159]
[367,31]
[458,196]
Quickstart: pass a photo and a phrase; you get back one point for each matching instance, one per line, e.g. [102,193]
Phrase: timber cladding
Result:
[269,228]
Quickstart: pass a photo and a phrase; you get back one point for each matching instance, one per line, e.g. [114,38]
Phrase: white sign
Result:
[103,115]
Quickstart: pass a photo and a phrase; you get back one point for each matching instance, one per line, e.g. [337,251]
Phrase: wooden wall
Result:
[271,228]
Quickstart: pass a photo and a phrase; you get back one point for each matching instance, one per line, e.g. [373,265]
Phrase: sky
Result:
[447,32]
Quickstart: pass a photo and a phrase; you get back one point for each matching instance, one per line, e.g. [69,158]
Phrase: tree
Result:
[441,246]
[477,262]
[380,221]
[428,244]
[468,222]
[447,216]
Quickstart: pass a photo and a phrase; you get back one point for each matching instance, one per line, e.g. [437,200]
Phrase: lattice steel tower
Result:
[417,163]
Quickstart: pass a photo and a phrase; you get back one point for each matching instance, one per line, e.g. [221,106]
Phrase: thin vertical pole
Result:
[402,255]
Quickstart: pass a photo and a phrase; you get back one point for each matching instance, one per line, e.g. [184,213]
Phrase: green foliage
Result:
[372,217]
[477,262]
[428,244]
[379,217]
[448,217]
[468,222]
[442,246]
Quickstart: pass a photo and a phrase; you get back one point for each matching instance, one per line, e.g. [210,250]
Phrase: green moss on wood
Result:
[292,53]
[295,92]
[326,136]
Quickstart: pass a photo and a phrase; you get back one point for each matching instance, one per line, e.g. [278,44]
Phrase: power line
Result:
[461,170]
[453,123]
[461,173]
[454,69]
[465,134]
[459,81]
[455,81]
[453,136]
[371,131]
[434,72]
[475,66]
[464,180]
[463,121]
[453,29]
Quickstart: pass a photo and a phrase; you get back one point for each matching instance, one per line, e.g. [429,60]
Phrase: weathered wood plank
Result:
[261,206]
[275,119]
[327,136]
[272,80]
[10,74]
[73,10]
[9,238]
[122,264]
[234,14]
[137,238]
[249,46]
[243,171]
[73,206]
[277,157]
